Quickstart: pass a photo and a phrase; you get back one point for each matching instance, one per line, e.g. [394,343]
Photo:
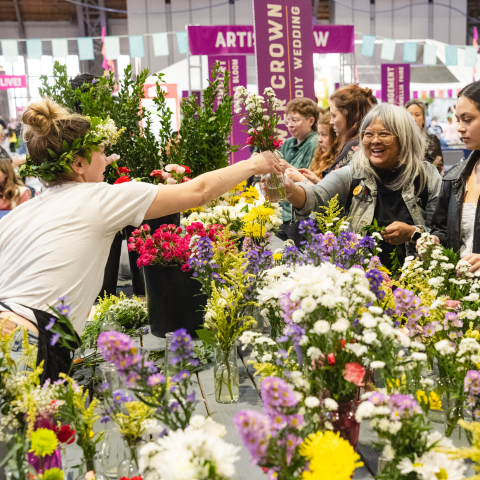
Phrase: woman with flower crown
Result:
[67,230]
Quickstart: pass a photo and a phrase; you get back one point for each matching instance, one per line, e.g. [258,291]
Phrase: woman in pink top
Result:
[12,191]
[450,131]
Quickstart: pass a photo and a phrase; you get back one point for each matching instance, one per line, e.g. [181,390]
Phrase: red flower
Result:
[354,373]
[121,180]
[65,434]
[187,169]
[157,173]
[185,179]
[250,141]
[331,359]
[123,170]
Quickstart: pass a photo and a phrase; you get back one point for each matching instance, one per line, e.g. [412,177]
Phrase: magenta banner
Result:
[12,81]
[284,51]
[221,40]
[237,66]
[396,83]
[333,39]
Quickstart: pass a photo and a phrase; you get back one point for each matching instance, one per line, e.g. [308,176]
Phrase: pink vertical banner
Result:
[450,92]
[284,51]
[237,66]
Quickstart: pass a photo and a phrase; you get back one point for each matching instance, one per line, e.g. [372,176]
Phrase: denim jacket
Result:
[361,208]
[446,223]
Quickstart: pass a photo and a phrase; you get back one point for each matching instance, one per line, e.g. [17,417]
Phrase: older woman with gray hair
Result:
[387,181]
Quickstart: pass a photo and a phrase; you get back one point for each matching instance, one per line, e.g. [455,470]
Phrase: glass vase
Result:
[129,465]
[226,375]
[88,469]
[456,411]
[275,187]
[110,324]
[258,317]
[343,421]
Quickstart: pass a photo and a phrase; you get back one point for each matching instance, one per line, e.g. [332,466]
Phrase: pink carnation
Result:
[452,303]
[173,167]
[171,181]
[354,373]
[180,170]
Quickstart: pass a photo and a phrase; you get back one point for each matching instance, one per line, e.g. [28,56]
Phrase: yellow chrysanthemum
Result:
[192,210]
[260,213]
[253,230]
[53,474]
[250,194]
[277,256]
[44,442]
[331,457]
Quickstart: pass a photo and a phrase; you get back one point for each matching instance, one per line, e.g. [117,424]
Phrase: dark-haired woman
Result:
[348,107]
[433,155]
[456,222]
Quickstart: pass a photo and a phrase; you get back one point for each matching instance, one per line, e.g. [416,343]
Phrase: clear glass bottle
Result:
[129,465]
[169,370]
[275,187]
[226,375]
[110,324]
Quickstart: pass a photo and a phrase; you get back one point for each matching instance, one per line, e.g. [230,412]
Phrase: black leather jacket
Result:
[446,221]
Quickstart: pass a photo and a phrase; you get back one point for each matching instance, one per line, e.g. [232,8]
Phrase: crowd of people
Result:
[379,160]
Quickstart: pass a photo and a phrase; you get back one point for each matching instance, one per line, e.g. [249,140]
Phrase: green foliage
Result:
[329,220]
[137,146]
[61,91]
[130,313]
[205,131]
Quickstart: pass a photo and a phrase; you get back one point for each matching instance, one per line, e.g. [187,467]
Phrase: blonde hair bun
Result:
[43,116]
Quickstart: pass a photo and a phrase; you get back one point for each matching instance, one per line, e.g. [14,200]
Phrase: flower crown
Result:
[102,132]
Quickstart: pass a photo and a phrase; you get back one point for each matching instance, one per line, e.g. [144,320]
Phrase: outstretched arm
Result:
[203,189]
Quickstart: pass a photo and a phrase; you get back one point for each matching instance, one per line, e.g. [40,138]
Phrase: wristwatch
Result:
[416,234]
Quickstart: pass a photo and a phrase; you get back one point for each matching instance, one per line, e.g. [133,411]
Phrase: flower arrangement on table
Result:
[276,439]
[166,246]
[260,118]
[171,174]
[409,446]
[243,211]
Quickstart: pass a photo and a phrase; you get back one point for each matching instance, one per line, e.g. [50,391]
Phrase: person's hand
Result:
[397,233]
[294,175]
[266,162]
[309,175]
[474,260]
[289,186]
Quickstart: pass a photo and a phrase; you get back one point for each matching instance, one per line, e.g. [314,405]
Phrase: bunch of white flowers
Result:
[108,129]
[198,452]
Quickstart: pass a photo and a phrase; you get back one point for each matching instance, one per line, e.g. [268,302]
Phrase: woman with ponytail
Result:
[348,107]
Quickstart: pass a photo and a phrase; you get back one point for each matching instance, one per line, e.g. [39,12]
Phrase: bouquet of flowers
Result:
[198,449]
[168,397]
[406,440]
[275,439]
[172,174]
[164,247]
[260,119]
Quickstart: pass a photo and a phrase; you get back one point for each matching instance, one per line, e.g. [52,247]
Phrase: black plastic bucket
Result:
[174,299]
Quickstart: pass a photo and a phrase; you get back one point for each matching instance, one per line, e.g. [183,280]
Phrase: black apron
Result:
[56,359]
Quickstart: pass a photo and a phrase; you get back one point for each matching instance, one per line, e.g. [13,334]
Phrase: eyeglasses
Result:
[383,136]
[294,121]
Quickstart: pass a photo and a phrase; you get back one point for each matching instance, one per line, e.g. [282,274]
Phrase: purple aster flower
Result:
[174,407]
[51,323]
[403,300]
[131,379]
[105,419]
[104,386]
[54,339]
[375,279]
[374,262]
[180,377]
[155,379]
[255,430]
[120,397]
[277,393]
[190,397]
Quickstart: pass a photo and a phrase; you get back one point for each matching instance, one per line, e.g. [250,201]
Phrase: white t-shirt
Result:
[58,244]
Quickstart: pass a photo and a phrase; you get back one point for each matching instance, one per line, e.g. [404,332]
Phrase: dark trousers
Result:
[289,231]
